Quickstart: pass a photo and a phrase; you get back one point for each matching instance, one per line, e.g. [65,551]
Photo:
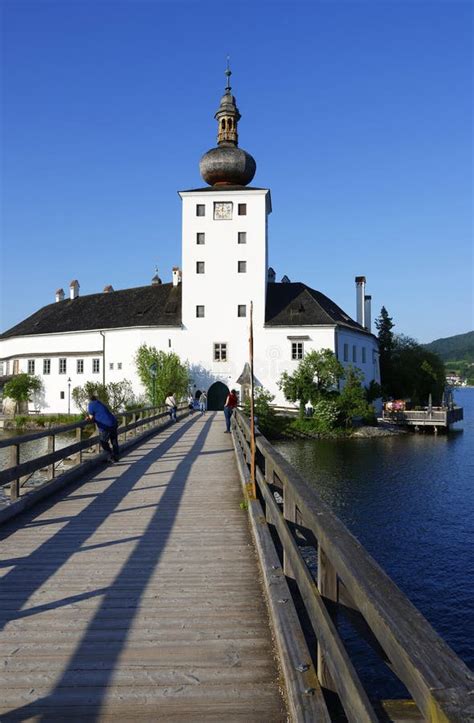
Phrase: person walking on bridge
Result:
[230,404]
[107,425]
[203,402]
[171,405]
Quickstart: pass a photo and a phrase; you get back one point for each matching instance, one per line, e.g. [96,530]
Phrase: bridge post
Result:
[14,462]
[50,449]
[327,586]
[79,439]
[289,513]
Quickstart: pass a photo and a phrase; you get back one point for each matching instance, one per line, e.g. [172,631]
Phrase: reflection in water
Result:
[409,500]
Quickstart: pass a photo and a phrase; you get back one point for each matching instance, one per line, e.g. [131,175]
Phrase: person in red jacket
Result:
[230,404]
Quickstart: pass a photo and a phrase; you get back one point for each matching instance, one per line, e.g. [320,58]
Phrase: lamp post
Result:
[69,395]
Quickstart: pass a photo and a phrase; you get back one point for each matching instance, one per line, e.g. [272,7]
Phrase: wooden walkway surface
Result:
[135,595]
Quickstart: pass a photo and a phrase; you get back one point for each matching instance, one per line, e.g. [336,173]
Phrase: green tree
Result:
[416,372]
[384,324]
[263,409]
[116,395]
[21,388]
[352,401]
[317,376]
[171,374]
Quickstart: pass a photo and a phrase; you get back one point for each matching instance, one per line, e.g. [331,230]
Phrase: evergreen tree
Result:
[384,324]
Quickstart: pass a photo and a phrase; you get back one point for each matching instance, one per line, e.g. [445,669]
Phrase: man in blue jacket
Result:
[107,425]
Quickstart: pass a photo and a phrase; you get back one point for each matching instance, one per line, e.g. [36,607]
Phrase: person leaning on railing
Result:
[230,404]
[107,425]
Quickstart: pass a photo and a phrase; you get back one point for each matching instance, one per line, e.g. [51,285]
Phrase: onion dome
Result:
[227,165]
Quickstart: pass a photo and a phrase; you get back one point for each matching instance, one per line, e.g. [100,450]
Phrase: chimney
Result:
[74,289]
[156,281]
[360,295]
[60,295]
[368,312]
[108,289]
[177,276]
[271,275]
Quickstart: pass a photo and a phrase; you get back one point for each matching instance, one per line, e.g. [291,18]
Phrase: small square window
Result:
[200,239]
[220,352]
[242,267]
[61,395]
[242,238]
[200,267]
[95,366]
[80,366]
[200,312]
[62,366]
[364,355]
[119,365]
[346,352]
[242,209]
[242,310]
[46,366]
[111,365]
[31,366]
[354,353]
[200,209]
[297,350]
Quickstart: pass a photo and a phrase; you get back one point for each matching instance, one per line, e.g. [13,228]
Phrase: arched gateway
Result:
[216,396]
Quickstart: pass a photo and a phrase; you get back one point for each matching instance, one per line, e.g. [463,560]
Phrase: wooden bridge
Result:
[150,591]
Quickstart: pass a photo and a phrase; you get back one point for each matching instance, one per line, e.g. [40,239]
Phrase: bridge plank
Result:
[138,592]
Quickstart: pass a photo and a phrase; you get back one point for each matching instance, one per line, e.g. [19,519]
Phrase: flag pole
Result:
[252,490]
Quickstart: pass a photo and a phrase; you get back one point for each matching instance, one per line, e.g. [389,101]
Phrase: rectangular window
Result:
[46,366]
[80,366]
[220,352]
[119,365]
[242,209]
[62,366]
[242,237]
[242,267]
[200,209]
[346,352]
[169,343]
[16,366]
[111,365]
[364,355]
[95,366]
[200,312]
[31,366]
[200,239]
[354,353]
[61,395]
[200,267]
[2,368]
[242,310]
[297,350]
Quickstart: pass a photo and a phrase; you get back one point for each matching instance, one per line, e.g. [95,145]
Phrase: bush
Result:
[264,412]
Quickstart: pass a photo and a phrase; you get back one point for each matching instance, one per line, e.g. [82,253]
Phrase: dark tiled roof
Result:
[219,189]
[158,305]
[297,305]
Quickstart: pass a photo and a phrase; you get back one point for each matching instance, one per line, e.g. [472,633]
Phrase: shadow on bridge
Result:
[135,573]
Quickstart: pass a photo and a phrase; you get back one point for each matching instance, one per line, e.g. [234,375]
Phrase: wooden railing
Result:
[19,472]
[436,416]
[349,581]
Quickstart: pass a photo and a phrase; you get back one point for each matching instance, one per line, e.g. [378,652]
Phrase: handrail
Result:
[18,472]
[349,578]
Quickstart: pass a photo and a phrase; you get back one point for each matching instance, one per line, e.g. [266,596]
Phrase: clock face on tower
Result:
[223,211]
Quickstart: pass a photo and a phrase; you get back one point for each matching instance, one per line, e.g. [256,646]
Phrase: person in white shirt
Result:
[171,405]
[203,402]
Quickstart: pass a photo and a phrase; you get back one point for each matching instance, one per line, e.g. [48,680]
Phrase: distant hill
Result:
[459,347]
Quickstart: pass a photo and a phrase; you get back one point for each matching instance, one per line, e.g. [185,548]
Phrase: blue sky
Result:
[359,115]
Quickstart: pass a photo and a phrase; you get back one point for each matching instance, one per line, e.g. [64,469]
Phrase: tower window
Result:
[354,353]
[242,237]
[223,124]
[200,267]
[200,209]
[62,395]
[200,312]
[62,366]
[200,239]
[31,366]
[242,267]
[95,366]
[297,350]
[242,310]
[242,209]
[80,366]
[111,365]
[220,352]
[46,366]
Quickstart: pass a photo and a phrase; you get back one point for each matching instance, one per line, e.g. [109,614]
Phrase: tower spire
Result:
[227,115]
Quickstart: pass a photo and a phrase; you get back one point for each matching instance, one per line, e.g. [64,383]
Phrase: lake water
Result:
[410,501]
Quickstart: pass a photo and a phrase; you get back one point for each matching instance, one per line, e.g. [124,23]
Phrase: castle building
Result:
[203,314]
